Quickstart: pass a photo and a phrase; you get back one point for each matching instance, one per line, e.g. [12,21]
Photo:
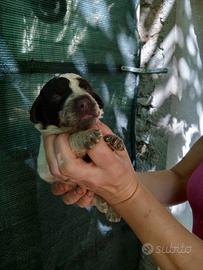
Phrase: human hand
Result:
[110,174]
[70,192]
[73,194]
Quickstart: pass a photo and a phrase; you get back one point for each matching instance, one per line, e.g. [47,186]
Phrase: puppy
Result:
[68,104]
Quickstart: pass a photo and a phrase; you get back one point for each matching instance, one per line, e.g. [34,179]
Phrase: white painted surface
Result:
[187,100]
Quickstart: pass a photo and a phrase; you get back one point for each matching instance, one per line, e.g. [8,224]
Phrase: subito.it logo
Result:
[147,249]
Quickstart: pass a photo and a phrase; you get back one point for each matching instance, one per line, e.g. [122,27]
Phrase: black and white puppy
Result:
[68,104]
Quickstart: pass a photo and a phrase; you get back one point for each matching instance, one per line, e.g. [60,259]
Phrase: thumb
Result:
[103,127]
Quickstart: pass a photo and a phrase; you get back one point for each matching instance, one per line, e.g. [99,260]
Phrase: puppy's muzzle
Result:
[86,107]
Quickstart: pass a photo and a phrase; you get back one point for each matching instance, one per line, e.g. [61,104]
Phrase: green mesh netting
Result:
[39,38]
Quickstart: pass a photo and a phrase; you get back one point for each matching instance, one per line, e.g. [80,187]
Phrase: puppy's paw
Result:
[112,216]
[114,142]
[91,137]
[83,140]
[101,204]
[106,209]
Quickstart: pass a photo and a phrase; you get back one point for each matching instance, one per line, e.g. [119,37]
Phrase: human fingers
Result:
[49,142]
[102,155]
[59,188]
[86,200]
[107,131]
[68,162]
[103,127]
[74,195]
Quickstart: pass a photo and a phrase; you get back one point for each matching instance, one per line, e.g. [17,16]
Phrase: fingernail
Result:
[60,187]
[66,202]
[79,190]
[89,193]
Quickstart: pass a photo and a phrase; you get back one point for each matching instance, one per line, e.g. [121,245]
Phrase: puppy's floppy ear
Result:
[36,112]
[45,109]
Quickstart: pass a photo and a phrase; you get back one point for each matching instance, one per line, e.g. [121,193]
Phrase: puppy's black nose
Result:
[84,105]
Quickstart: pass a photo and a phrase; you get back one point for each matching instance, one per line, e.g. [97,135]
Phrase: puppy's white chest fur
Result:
[42,165]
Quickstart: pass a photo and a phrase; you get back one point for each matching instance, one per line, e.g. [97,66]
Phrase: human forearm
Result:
[112,176]
[169,186]
[166,186]
[153,224]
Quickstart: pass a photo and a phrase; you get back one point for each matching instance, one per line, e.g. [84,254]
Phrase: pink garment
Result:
[195,198]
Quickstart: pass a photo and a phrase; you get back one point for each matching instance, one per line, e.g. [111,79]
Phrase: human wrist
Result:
[129,196]
[124,207]
[122,194]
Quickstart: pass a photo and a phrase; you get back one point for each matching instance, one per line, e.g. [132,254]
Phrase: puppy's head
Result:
[67,101]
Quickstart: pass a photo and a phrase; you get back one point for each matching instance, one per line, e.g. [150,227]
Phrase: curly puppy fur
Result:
[68,104]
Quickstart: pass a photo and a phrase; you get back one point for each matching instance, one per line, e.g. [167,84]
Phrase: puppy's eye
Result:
[85,85]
